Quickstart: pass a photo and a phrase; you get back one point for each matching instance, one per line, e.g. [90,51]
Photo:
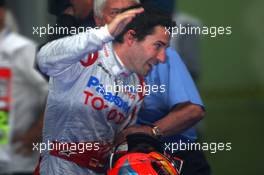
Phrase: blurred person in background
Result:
[187,45]
[71,13]
[106,10]
[10,21]
[22,97]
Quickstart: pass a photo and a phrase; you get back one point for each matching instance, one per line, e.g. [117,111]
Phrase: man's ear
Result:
[129,37]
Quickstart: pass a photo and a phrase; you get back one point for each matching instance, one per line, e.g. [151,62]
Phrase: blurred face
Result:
[150,51]
[113,8]
[2,18]
[82,8]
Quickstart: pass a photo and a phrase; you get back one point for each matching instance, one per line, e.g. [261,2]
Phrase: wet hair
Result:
[144,24]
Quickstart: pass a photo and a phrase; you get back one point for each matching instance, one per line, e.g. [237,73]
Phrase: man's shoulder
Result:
[173,67]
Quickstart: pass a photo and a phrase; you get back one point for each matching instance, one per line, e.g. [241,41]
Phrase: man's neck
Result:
[123,56]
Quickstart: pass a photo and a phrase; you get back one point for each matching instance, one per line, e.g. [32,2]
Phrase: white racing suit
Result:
[82,105]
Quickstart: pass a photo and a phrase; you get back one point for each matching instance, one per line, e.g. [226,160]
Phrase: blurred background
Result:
[232,82]
[231,79]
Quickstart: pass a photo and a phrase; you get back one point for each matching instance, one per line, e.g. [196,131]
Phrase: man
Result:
[22,96]
[174,112]
[81,110]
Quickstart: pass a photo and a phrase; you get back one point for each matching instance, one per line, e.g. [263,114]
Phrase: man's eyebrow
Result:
[161,42]
[164,44]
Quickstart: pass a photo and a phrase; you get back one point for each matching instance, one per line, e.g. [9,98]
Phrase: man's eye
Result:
[157,46]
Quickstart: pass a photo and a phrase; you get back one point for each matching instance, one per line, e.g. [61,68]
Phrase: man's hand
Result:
[121,137]
[121,20]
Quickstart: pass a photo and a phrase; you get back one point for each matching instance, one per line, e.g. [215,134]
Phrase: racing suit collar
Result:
[118,68]
[123,70]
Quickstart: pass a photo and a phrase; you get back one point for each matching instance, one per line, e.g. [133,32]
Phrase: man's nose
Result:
[162,56]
